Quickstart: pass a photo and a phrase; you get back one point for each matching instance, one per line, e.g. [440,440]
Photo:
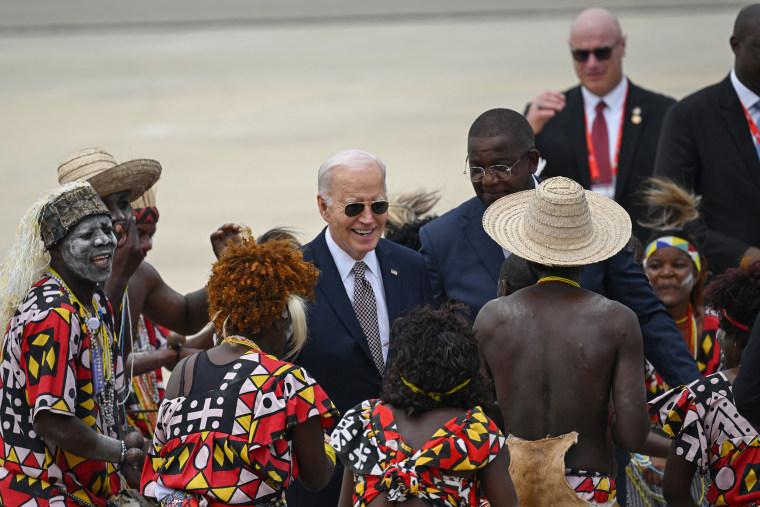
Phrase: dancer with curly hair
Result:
[237,423]
[708,432]
[427,440]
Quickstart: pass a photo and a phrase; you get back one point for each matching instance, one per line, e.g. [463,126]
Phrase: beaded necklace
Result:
[243,341]
[558,279]
[101,353]
[692,343]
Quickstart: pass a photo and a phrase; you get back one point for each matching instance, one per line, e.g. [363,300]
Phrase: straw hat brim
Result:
[137,176]
[504,221]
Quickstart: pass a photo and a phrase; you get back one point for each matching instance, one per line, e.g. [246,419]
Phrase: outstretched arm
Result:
[676,484]
[315,469]
[630,424]
[497,483]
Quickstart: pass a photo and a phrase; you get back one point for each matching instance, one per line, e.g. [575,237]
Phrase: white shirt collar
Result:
[747,97]
[614,99]
[345,263]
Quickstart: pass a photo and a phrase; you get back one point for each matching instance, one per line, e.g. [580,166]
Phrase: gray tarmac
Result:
[242,100]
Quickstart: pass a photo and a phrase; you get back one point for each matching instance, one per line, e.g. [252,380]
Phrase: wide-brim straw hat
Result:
[559,224]
[107,177]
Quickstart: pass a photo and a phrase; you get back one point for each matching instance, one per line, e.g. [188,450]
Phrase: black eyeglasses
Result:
[499,170]
[354,209]
[601,54]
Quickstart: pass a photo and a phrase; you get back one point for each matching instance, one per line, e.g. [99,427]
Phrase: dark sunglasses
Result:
[354,209]
[601,54]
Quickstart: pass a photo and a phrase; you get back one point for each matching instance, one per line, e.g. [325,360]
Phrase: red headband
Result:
[146,215]
[732,321]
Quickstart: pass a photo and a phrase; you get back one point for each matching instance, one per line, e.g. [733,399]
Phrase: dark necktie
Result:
[601,142]
[365,307]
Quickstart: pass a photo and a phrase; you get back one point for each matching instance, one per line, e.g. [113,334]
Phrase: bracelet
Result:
[330,453]
[123,458]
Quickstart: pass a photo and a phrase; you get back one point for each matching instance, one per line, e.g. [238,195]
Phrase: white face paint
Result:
[688,282]
[87,249]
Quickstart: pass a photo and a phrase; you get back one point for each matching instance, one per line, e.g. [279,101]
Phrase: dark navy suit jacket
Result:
[464,262]
[336,353]
[562,142]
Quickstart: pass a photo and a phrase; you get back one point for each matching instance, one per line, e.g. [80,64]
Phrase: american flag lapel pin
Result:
[394,272]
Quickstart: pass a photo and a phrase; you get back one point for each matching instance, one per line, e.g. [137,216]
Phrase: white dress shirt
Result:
[748,98]
[345,263]
[613,115]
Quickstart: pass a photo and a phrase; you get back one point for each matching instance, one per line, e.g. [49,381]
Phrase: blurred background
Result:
[241,100]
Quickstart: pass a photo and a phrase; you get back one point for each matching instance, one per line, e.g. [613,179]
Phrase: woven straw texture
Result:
[558,224]
[100,169]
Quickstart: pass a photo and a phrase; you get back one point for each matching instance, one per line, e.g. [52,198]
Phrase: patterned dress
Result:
[230,445]
[710,432]
[147,389]
[708,357]
[442,473]
[45,366]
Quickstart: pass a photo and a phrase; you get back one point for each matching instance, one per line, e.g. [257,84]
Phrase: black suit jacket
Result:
[336,353]
[707,146]
[562,143]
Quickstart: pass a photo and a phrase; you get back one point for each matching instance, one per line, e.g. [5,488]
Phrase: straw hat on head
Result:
[100,169]
[558,224]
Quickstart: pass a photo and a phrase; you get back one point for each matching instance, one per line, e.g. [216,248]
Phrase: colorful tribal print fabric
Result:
[230,444]
[591,486]
[45,366]
[368,443]
[147,389]
[710,432]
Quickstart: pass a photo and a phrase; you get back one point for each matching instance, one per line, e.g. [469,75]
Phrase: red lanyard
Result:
[592,165]
[752,126]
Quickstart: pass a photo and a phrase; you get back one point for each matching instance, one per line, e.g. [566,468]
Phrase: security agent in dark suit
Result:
[710,145]
[564,123]
[464,262]
[345,353]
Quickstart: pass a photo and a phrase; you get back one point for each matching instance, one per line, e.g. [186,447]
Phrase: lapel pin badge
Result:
[636,115]
[394,272]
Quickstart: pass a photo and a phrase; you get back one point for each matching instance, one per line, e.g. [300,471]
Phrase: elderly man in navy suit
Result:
[366,282]
[604,132]
[464,262]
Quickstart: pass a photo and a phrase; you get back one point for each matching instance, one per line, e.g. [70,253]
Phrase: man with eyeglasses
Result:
[464,262]
[366,283]
[604,132]
[710,143]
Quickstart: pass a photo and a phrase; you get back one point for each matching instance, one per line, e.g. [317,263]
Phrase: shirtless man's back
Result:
[558,355]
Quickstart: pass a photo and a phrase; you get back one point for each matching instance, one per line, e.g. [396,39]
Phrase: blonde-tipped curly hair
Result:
[251,284]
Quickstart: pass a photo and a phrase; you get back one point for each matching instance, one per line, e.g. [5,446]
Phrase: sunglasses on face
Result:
[354,209]
[601,54]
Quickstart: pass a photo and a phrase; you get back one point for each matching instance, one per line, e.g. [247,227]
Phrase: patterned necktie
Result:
[601,141]
[365,307]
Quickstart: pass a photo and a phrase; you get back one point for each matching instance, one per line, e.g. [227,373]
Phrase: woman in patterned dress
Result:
[237,423]
[708,432]
[427,440]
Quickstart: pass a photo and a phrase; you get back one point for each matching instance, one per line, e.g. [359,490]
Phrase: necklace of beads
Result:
[243,341]
[101,354]
[692,330]
[558,279]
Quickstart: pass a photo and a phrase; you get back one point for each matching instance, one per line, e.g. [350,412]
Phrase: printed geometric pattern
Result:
[365,307]
[709,359]
[46,366]
[368,443]
[709,431]
[141,401]
[591,486]
[230,444]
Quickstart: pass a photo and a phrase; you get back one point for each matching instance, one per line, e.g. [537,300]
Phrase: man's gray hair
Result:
[346,158]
